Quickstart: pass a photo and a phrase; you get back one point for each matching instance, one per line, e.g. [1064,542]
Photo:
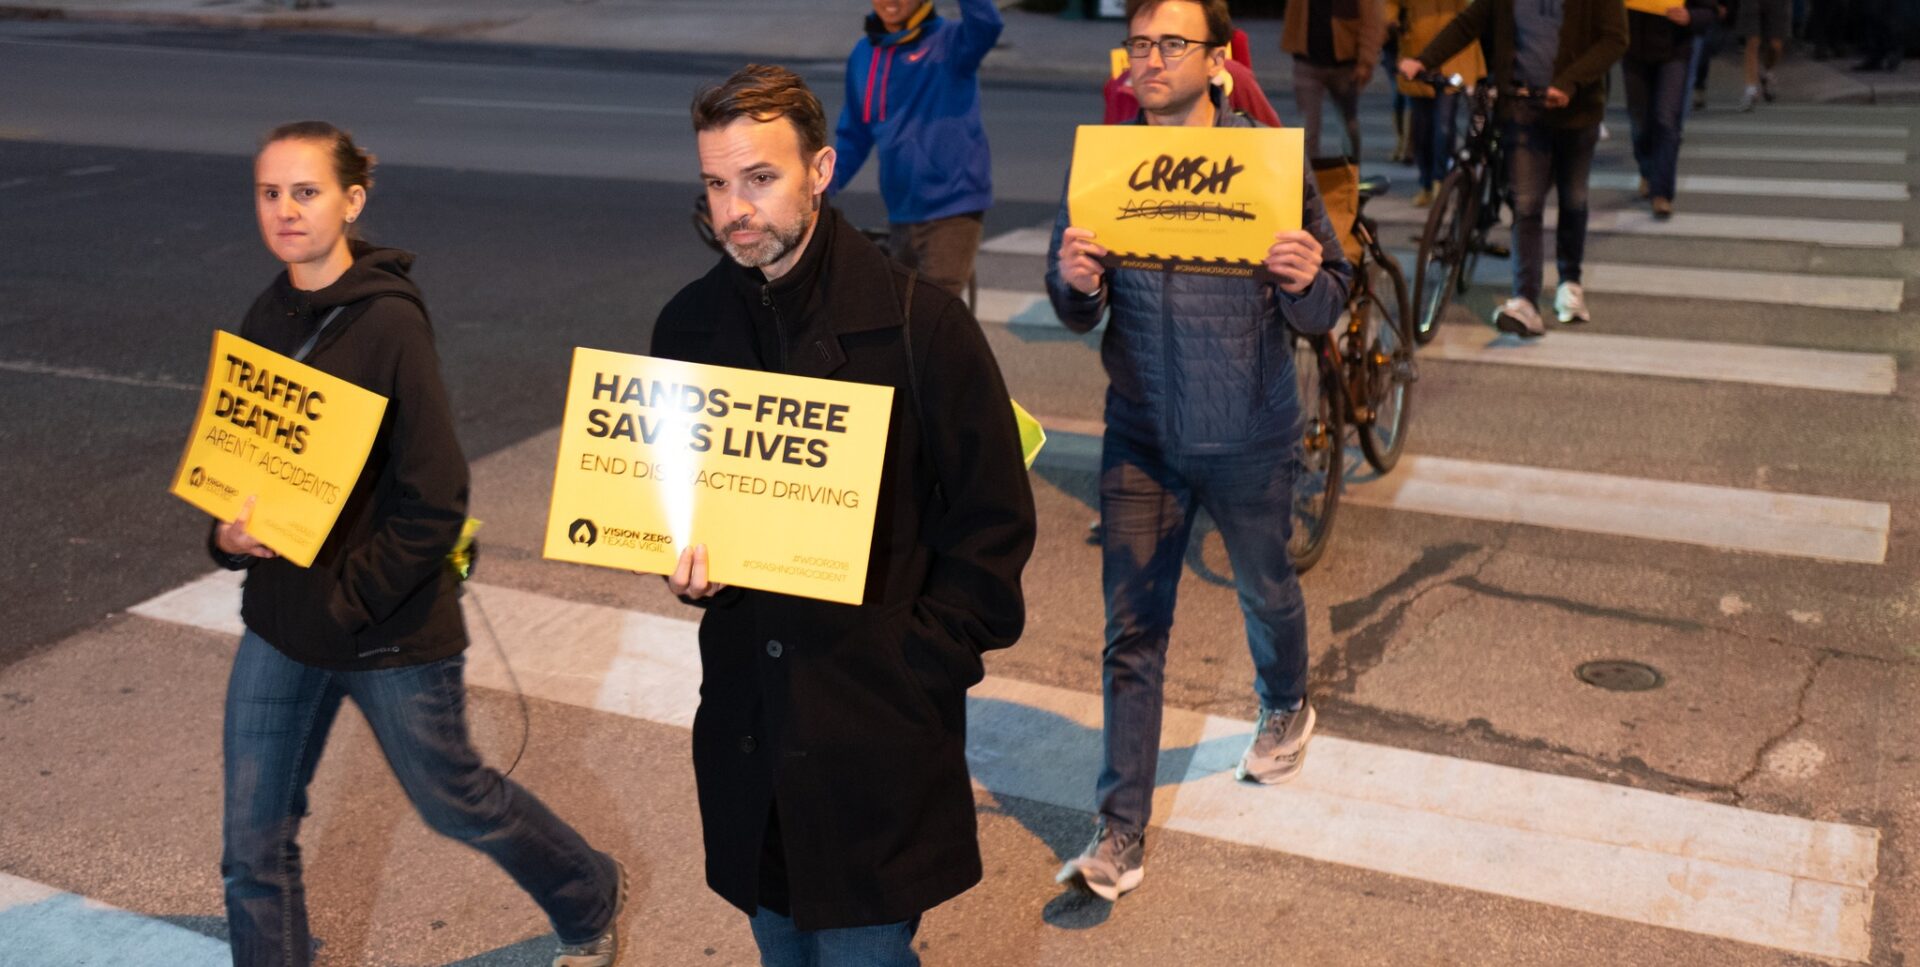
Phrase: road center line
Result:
[91,375]
[1634,855]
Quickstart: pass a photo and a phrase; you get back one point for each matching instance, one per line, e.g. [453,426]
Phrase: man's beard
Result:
[776,242]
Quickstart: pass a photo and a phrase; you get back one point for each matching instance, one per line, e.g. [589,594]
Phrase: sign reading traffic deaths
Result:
[1656,7]
[1205,200]
[283,432]
[776,474]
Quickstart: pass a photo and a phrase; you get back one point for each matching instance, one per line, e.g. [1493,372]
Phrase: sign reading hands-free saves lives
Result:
[281,431]
[776,474]
[1205,200]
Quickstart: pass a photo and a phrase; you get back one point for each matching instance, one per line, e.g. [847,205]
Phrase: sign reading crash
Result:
[283,432]
[776,474]
[1200,200]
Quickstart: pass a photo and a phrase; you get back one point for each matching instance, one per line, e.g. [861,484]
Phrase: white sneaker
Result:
[1570,304]
[1518,316]
[1747,98]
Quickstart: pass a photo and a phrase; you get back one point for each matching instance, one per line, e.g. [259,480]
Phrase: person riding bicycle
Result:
[1202,410]
[1563,48]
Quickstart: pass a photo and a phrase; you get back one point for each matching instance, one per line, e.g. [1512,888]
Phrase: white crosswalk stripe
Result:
[1822,188]
[1726,518]
[1778,881]
[48,927]
[1810,154]
[1840,372]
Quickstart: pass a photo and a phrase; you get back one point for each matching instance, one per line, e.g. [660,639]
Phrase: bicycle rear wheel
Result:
[1317,474]
[1442,252]
[1389,365]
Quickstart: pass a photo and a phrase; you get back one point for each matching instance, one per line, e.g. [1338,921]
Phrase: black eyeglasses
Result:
[1171,48]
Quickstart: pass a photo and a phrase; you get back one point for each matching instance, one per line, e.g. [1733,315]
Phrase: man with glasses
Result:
[913,92]
[1202,411]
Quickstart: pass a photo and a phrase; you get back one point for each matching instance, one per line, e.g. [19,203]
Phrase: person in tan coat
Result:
[1433,113]
[1334,44]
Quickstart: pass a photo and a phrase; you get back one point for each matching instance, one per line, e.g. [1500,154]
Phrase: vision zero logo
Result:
[586,533]
[197,477]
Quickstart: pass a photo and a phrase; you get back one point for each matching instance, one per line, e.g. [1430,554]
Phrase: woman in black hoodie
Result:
[376,618]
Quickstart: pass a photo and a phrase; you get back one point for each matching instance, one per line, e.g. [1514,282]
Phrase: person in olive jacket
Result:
[829,746]
[1561,50]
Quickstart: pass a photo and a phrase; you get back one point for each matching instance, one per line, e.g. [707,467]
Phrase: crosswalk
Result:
[1792,884]
[1777,881]
[1820,527]
[1865,215]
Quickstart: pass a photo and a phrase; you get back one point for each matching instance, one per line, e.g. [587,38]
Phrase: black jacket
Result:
[1593,35]
[854,723]
[1652,38]
[379,593]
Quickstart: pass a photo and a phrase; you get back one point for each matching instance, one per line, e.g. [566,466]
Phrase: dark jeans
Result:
[784,945]
[1147,504]
[1433,127]
[1311,86]
[1657,103]
[942,249]
[1538,156]
[277,717]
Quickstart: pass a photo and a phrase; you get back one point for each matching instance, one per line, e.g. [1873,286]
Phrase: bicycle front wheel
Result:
[1389,365]
[1442,253]
[1317,474]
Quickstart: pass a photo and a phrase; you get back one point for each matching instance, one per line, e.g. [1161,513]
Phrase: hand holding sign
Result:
[232,537]
[1079,261]
[689,577]
[1294,260]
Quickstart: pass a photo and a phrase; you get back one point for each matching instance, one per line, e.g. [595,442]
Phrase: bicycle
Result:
[1467,206]
[1361,375]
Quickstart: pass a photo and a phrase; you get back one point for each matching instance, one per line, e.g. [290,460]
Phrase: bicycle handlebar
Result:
[1455,84]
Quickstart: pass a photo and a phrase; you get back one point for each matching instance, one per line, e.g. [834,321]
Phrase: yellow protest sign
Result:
[1656,7]
[776,474]
[1206,200]
[1118,62]
[281,431]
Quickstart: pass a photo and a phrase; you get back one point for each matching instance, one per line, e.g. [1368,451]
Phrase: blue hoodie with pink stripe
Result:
[915,94]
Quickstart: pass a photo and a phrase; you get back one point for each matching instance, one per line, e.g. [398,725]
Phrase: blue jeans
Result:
[784,945]
[1540,155]
[1432,136]
[1657,102]
[1147,503]
[277,717]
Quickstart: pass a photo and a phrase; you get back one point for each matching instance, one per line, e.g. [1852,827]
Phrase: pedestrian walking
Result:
[1659,51]
[376,619]
[1334,44]
[1763,26]
[1215,425]
[1562,50]
[913,98]
[1432,113]
[829,749]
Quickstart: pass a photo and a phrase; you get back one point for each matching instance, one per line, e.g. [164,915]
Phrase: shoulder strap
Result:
[913,384]
[300,355]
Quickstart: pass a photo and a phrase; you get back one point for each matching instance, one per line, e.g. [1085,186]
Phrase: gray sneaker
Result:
[1111,865]
[1279,746]
[604,950]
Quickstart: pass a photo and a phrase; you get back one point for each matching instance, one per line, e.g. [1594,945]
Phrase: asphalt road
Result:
[549,205]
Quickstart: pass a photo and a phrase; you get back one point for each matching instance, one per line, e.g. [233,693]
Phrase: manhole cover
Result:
[1620,676]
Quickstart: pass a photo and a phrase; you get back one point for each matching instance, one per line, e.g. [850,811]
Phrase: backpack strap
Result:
[300,355]
[913,382]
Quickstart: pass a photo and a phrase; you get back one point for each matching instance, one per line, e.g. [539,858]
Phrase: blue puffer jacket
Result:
[919,101]
[1200,364]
